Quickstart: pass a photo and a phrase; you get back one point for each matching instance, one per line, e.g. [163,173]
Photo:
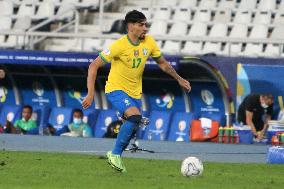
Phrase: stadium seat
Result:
[212,47]
[90,117]
[223,16]
[227,4]
[281,6]
[59,118]
[10,113]
[178,29]
[158,127]
[243,17]
[208,4]
[259,31]
[267,5]
[247,5]
[272,50]
[163,13]
[171,47]
[278,32]
[23,23]
[166,3]
[5,22]
[158,27]
[182,14]
[233,49]
[253,50]
[202,15]
[163,96]
[74,2]
[147,11]
[6,8]
[107,42]
[262,17]
[118,26]
[72,92]
[188,3]
[2,40]
[218,30]
[14,41]
[198,29]
[36,90]
[40,115]
[89,3]
[206,98]
[180,126]
[239,31]
[45,10]
[279,17]
[192,48]
[26,9]
[105,117]
[91,45]
[65,11]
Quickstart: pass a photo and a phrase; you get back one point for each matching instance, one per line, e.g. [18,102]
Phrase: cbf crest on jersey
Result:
[136,53]
[145,51]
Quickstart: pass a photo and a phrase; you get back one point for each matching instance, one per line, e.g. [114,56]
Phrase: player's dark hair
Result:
[134,16]
[78,111]
[268,96]
[28,107]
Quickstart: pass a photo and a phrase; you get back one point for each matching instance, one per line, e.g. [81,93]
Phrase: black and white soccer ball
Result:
[191,167]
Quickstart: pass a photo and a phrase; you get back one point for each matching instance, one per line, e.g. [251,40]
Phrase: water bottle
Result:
[220,134]
[236,137]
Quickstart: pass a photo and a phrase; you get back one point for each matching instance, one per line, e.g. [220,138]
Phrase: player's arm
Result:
[249,122]
[92,75]
[167,68]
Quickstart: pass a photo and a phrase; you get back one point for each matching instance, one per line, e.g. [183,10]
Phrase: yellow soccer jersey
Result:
[127,64]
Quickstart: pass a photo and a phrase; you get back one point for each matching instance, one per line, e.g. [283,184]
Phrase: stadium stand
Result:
[159,126]
[182,27]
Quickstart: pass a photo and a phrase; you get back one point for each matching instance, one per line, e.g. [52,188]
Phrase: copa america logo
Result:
[207,97]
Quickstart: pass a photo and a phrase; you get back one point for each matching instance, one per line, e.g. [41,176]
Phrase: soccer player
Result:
[123,88]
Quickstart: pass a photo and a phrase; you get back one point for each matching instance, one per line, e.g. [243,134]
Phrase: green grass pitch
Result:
[33,170]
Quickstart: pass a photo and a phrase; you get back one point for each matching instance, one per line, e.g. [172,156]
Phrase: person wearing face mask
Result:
[78,128]
[26,124]
[255,111]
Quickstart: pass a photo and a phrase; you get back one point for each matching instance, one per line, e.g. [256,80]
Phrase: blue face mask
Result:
[77,120]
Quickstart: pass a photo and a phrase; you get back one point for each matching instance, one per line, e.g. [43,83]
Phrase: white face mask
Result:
[77,120]
[264,105]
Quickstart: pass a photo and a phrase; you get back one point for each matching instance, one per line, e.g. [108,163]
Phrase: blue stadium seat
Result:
[164,95]
[90,117]
[60,118]
[206,99]
[141,131]
[105,117]
[36,90]
[73,92]
[41,115]
[159,126]
[11,113]
[7,96]
[180,126]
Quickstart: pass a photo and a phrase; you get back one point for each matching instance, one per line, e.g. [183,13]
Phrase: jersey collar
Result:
[131,42]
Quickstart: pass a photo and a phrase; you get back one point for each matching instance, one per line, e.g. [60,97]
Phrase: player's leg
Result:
[125,104]
[130,126]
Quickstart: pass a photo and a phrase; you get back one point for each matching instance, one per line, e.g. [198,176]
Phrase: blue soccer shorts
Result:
[122,101]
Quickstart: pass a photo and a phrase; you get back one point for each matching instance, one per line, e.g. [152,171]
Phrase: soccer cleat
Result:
[115,161]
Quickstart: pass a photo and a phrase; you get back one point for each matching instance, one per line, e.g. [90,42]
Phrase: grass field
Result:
[57,170]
